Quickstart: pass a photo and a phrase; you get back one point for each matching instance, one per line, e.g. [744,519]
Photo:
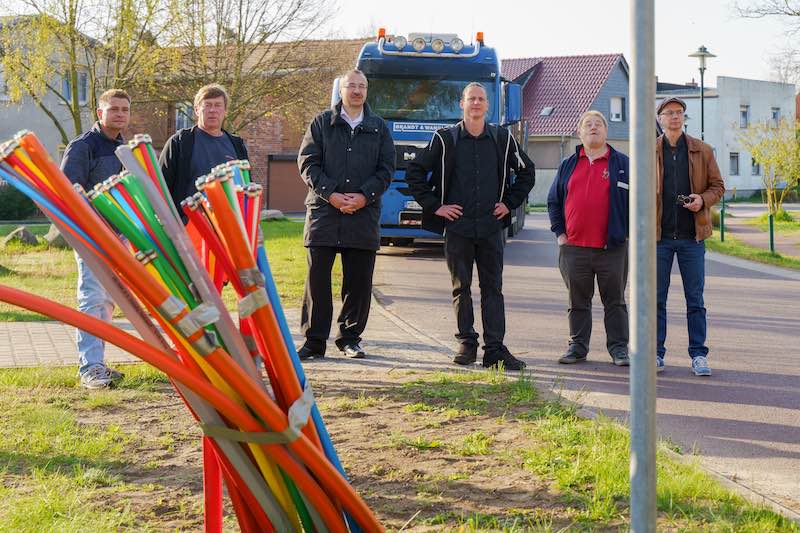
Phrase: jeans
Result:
[93,300]
[691,261]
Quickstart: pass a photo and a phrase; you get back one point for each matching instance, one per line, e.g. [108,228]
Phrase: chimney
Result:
[692,84]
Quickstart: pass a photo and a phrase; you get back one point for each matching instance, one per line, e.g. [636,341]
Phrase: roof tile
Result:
[568,84]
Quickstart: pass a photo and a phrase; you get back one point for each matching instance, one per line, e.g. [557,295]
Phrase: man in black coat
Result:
[193,152]
[469,198]
[347,161]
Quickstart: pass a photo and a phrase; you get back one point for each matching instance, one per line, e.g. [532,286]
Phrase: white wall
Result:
[761,96]
[28,116]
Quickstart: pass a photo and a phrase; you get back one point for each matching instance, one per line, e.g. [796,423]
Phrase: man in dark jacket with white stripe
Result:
[347,160]
[588,208]
[469,198]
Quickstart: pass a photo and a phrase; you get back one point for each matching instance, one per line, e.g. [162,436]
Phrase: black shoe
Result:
[493,359]
[570,358]
[354,351]
[305,353]
[467,354]
[621,359]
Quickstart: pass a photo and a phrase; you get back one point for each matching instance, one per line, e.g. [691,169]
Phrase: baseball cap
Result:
[670,100]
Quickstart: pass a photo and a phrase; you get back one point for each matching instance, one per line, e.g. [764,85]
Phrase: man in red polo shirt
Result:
[588,208]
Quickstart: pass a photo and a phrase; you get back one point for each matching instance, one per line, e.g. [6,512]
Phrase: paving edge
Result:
[755,266]
[746,492]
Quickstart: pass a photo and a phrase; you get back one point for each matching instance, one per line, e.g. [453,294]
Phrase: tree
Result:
[784,62]
[266,53]
[72,50]
[776,147]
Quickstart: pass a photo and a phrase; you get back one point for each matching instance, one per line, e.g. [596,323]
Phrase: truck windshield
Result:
[415,99]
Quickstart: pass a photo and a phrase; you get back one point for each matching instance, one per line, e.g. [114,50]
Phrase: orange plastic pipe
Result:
[264,317]
[101,234]
[227,408]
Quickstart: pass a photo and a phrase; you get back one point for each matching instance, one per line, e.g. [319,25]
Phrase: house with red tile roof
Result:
[555,92]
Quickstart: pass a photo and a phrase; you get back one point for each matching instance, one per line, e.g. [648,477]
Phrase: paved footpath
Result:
[785,243]
[388,340]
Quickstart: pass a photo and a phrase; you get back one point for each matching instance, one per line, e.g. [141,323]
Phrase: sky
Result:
[530,28]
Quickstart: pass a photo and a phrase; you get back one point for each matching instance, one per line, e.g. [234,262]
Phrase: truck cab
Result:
[415,84]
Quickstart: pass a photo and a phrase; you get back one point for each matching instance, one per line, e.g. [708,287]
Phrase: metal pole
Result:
[702,105]
[771,233]
[722,221]
[643,269]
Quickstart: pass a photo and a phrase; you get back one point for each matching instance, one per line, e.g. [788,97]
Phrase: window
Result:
[617,109]
[412,99]
[734,164]
[744,116]
[83,88]
[755,168]
[184,115]
[775,115]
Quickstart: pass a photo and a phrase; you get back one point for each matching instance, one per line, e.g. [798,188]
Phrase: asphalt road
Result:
[744,421]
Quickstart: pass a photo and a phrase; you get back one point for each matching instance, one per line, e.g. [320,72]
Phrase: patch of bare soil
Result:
[410,464]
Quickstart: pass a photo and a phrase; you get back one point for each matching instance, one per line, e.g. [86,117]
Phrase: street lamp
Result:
[702,53]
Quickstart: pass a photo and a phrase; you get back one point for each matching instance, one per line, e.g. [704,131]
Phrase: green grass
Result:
[732,246]
[586,460]
[786,222]
[348,404]
[477,443]
[398,440]
[56,471]
[53,273]
[38,229]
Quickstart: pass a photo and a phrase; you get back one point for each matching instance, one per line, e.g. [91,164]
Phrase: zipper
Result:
[675,194]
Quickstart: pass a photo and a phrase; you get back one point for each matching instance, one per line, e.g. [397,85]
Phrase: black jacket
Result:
[334,158]
[176,163]
[438,159]
[618,175]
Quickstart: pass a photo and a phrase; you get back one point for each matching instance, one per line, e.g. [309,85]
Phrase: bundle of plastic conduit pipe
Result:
[268,443]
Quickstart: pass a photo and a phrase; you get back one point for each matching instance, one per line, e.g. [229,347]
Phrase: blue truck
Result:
[415,84]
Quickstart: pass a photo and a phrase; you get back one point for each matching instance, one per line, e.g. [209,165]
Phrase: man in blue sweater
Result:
[89,159]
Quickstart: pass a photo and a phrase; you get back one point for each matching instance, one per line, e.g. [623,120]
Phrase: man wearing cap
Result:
[688,184]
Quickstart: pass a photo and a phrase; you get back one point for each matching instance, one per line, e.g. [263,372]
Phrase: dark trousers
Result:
[691,261]
[487,253]
[579,267]
[317,313]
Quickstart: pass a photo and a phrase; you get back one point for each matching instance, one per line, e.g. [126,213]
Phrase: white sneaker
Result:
[700,366]
[97,377]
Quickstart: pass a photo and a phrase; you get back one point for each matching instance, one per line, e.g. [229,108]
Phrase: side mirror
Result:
[513,98]
[335,96]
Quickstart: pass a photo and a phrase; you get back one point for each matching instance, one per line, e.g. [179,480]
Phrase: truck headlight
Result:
[400,42]
[437,45]
[418,44]
[456,44]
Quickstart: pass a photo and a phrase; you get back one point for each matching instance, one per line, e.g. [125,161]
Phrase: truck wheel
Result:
[401,241]
[384,241]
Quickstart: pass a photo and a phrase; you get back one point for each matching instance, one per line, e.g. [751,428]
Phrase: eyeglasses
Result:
[673,113]
[352,86]
[212,105]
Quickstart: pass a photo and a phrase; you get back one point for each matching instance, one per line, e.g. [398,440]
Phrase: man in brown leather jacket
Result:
[688,184]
